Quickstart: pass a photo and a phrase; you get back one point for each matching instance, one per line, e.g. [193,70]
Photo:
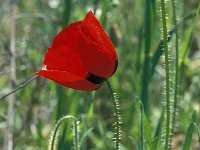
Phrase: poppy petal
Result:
[64,59]
[81,85]
[67,79]
[81,56]
[53,61]
[68,37]
[98,53]
[65,46]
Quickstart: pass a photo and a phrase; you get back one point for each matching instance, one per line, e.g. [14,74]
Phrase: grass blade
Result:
[148,35]
[188,138]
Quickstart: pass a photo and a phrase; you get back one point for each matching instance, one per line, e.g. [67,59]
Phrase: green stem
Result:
[55,131]
[158,52]
[117,117]
[147,47]
[141,126]
[176,68]
[167,137]
[18,87]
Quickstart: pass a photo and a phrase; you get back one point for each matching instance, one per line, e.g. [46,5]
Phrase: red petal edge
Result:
[67,79]
[98,54]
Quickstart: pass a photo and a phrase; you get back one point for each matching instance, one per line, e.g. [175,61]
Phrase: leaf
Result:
[158,131]
[105,9]
[85,135]
[188,36]
[188,138]
[145,130]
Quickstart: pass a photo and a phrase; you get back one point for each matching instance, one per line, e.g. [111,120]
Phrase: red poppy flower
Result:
[81,56]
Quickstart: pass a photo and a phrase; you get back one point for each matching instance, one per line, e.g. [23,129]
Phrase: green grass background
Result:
[135,29]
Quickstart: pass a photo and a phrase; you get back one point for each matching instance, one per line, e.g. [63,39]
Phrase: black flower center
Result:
[94,79]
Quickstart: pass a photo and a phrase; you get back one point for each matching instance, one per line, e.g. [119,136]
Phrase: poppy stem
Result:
[176,70]
[117,115]
[54,135]
[167,78]
[18,87]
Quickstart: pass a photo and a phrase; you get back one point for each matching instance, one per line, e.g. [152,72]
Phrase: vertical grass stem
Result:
[54,136]
[176,68]
[117,116]
[164,27]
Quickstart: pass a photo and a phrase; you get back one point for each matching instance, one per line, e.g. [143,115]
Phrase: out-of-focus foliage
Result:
[136,35]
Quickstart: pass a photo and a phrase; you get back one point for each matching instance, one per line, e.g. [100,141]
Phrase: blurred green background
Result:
[134,26]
